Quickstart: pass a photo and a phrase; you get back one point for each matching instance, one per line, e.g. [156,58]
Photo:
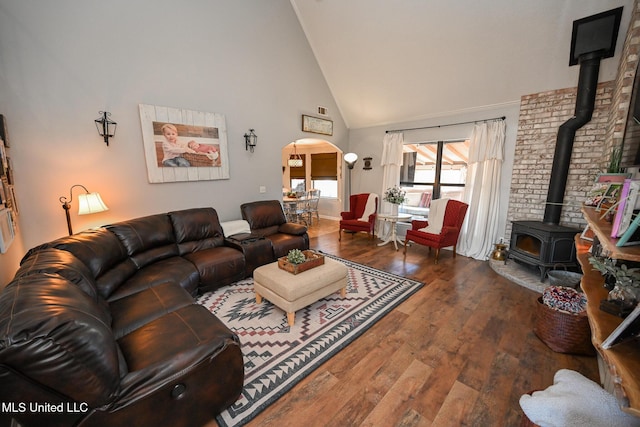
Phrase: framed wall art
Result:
[184,145]
[317,125]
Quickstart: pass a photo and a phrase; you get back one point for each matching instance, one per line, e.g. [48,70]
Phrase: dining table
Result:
[293,206]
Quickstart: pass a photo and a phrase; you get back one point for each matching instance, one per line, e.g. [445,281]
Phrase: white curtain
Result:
[391,163]
[486,153]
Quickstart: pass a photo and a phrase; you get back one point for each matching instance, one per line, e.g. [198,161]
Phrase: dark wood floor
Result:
[459,352]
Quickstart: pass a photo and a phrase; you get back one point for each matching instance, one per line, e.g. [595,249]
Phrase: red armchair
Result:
[351,219]
[451,225]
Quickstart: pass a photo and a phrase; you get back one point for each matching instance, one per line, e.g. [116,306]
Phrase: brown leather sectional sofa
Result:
[101,329]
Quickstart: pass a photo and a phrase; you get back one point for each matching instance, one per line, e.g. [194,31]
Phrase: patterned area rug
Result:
[276,356]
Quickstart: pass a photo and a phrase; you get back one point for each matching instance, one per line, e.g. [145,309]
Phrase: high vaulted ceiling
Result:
[392,61]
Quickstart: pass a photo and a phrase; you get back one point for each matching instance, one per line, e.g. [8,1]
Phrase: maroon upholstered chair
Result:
[451,225]
[351,219]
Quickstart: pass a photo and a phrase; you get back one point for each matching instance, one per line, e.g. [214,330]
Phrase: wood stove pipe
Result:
[585,102]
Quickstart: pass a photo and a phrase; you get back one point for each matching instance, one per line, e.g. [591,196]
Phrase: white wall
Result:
[368,142]
[62,61]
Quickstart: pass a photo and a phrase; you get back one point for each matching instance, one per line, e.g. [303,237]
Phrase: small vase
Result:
[394,209]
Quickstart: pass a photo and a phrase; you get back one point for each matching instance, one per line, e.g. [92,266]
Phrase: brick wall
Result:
[542,114]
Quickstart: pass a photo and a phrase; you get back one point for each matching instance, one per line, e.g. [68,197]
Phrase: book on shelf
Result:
[628,206]
[632,235]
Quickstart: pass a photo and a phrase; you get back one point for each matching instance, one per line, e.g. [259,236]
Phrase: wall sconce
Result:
[250,140]
[295,161]
[106,127]
[367,163]
[88,203]
[351,159]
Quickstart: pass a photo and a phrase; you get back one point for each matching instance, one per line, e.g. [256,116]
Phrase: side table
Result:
[392,234]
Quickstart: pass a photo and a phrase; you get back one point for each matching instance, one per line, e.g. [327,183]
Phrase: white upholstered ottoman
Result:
[291,292]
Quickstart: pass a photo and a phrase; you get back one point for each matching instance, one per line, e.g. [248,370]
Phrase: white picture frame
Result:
[206,130]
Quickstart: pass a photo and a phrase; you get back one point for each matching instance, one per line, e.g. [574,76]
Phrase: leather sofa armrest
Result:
[291,228]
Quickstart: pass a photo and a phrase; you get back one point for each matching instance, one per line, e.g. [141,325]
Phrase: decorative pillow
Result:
[412,199]
[565,299]
[425,200]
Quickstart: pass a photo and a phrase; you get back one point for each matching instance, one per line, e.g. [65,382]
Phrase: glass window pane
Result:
[328,188]
[454,162]
[297,185]
[454,193]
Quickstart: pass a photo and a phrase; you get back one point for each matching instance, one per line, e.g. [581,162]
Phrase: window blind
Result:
[324,166]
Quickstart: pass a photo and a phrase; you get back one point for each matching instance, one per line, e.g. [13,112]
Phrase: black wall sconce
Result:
[367,163]
[106,127]
[250,140]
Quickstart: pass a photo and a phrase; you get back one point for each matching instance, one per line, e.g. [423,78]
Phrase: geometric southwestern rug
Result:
[276,356]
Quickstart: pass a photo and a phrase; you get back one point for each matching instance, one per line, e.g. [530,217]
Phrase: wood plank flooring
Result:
[459,352]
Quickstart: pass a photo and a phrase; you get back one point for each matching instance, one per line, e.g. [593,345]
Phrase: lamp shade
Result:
[90,203]
[295,163]
[351,159]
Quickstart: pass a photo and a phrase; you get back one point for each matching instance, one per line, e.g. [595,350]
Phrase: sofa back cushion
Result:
[101,251]
[196,229]
[147,239]
[264,217]
[63,263]
[54,334]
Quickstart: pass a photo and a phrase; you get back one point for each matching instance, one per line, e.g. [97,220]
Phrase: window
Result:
[328,188]
[324,174]
[433,170]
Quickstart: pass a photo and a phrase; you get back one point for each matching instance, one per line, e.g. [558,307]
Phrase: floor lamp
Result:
[88,203]
[350,159]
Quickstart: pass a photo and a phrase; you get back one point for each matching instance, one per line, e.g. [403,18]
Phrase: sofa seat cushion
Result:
[174,342]
[136,310]
[283,243]
[176,270]
[185,367]
[217,266]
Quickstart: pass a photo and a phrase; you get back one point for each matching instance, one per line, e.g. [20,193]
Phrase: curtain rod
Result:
[450,124]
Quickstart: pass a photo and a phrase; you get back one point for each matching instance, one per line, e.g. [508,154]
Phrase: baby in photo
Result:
[210,150]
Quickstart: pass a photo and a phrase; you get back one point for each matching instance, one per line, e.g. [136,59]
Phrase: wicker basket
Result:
[563,332]
[198,160]
[313,259]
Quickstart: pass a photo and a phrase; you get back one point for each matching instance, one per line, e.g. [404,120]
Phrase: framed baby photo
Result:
[184,145]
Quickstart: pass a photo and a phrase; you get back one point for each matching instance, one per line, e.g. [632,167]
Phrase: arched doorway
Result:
[322,168]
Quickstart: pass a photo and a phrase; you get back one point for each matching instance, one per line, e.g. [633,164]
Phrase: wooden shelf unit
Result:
[622,360]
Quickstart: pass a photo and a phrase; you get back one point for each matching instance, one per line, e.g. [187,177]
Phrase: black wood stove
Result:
[546,243]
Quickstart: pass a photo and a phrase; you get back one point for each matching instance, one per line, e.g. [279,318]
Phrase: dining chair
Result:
[311,209]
